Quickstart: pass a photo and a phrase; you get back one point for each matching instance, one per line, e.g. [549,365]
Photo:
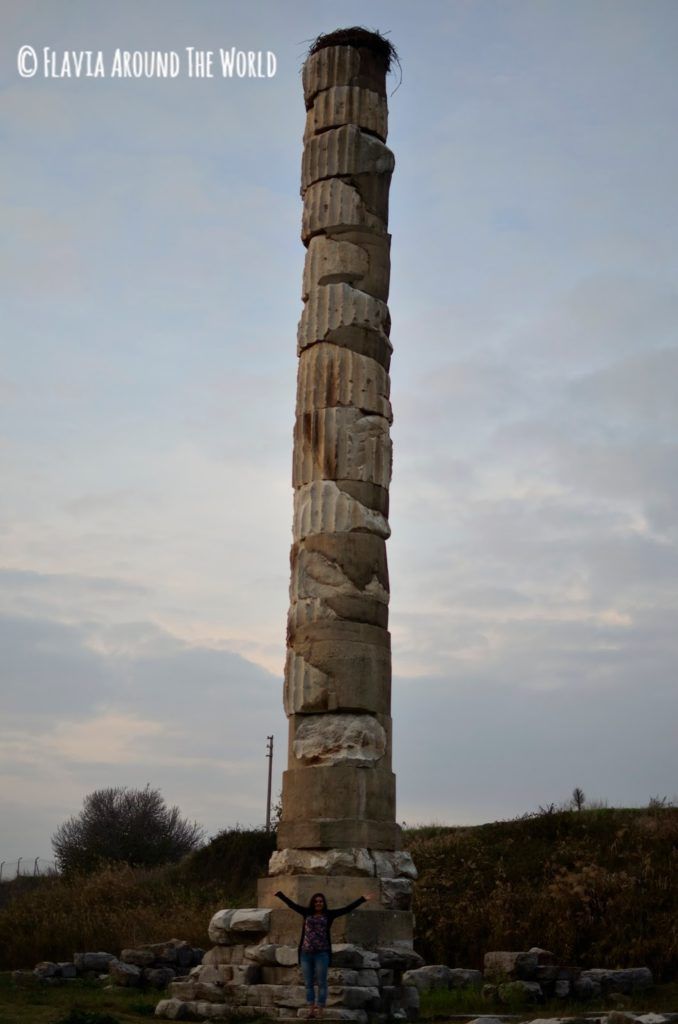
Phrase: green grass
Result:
[444,1004]
[83,1002]
[56,1004]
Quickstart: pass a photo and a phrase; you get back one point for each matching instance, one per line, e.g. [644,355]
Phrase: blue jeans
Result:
[314,966]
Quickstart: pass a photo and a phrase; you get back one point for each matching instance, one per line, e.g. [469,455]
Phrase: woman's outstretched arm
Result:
[340,911]
[290,903]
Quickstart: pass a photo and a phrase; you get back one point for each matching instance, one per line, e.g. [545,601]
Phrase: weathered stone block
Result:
[341,444]
[387,865]
[346,607]
[373,189]
[276,975]
[376,279]
[46,969]
[394,863]
[330,375]
[388,927]
[171,1009]
[399,955]
[396,893]
[322,507]
[339,890]
[92,961]
[343,632]
[342,153]
[333,206]
[347,976]
[289,995]
[264,954]
[201,1010]
[67,970]
[157,977]
[347,954]
[357,558]
[347,739]
[246,974]
[333,261]
[253,921]
[192,990]
[376,498]
[342,65]
[306,864]
[332,65]
[586,988]
[330,832]
[327,570]
[500,964]
[429,978]
[227,926]
[175,953]
[126,975]
[632,979]
[345,104]
[353,997]
[356,793]
[337,306]
[224,955]
[335,676]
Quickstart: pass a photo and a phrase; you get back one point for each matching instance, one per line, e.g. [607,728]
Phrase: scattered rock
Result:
[126,975]
[501,965]
[46,969]
[92,961]
[430,978]
[158,977]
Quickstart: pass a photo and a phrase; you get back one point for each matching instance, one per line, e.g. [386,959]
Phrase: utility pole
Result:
[269,755]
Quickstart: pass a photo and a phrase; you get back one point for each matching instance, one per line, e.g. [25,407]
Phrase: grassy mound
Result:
[597,887]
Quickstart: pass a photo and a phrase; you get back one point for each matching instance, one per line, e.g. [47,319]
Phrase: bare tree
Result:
[132,826]
[578,798]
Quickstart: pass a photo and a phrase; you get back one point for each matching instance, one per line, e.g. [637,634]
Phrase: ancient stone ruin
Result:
[338,832]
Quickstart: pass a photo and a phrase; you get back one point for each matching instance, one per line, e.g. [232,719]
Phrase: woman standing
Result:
[315,945]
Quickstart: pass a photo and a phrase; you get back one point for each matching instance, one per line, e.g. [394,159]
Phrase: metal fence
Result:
[26,866]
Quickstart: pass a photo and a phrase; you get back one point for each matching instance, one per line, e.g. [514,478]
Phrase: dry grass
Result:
[119,906]
[595,887]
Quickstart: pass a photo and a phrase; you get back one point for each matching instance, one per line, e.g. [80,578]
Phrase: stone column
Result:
[338,804]
[338,832]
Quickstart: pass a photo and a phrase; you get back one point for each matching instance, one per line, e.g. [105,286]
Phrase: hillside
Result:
[596,887]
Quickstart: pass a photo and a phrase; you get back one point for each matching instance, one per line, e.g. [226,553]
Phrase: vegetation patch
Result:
[596,887]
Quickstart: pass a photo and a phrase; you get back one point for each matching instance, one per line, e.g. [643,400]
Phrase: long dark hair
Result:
[314,897]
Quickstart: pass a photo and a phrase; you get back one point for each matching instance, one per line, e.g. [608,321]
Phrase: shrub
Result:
[132,826]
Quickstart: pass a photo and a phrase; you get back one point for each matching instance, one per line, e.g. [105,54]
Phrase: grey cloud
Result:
[639,391]
[476,751]
[48,670]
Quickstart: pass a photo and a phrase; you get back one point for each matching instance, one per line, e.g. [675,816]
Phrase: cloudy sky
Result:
[151,289]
